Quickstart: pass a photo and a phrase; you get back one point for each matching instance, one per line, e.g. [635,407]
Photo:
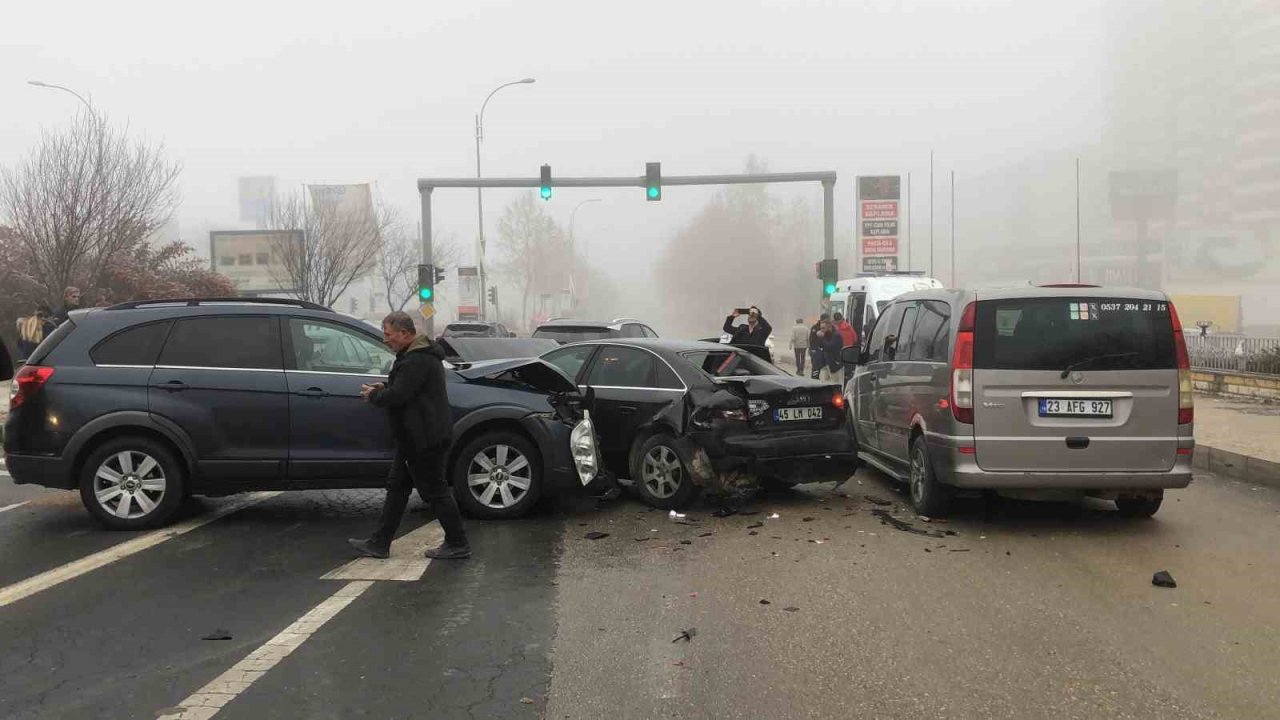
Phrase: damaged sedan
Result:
[677,417]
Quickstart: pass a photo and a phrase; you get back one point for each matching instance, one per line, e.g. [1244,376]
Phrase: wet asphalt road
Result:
[1010,609]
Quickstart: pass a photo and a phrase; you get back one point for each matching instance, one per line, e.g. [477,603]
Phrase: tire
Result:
[928,496]
[661,475]
[132,483]
[489,472]
[1139,507]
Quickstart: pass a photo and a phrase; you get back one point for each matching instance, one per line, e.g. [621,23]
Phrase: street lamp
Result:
[51,86]
[573,216]
[480,192]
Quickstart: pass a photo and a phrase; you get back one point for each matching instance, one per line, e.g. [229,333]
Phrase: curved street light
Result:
[480,192]
[88,106]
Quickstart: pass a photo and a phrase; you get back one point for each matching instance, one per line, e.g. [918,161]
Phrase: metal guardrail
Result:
[1235,353]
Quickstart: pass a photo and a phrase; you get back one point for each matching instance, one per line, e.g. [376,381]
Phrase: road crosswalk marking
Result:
[406,563]
[14,506]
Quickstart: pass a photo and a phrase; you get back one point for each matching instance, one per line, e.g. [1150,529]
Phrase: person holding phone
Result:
[755,331]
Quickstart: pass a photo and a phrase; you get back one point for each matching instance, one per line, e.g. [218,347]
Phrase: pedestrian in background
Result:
[70,301]
[417,401]
[825,351]
[30,334]
[848,338]
[800,344]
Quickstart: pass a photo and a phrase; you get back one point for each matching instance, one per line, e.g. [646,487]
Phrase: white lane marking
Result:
[208,700]
[75,569]
[14,506]
[406,564]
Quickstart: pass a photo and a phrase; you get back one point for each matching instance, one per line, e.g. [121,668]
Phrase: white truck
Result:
[861,298]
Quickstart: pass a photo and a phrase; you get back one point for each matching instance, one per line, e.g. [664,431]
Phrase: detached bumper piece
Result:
[797,454]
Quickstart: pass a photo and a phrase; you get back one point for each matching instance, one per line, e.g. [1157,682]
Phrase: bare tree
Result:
[84,194]
[332,248]
[531,245]
[398,262]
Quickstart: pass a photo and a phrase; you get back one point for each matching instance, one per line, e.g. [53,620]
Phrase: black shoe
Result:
[449,552]
[370,548]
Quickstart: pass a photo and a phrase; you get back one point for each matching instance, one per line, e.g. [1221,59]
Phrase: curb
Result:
[1236,466]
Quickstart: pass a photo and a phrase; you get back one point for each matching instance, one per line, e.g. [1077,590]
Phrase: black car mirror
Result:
[851,356]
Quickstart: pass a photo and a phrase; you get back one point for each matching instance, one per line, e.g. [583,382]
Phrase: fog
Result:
[1007,95]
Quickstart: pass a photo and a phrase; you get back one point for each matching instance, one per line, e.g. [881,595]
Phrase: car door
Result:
[896,387]
[870,376]
[221,380]
[627,395]
[336,438]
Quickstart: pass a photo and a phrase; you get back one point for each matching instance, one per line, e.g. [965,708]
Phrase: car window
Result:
[882,336]
[326,347]
[138,345]
[224,342]
[903,349]
[667,377]
[857,312]
[931,341]
[632,330]
[570,360]
[648,331]
[622,367]
[727,363]
[1055,333]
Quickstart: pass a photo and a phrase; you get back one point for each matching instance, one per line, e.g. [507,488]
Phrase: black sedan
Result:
[673,415]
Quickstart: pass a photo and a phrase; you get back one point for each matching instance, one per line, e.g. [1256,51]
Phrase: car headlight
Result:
[585,451]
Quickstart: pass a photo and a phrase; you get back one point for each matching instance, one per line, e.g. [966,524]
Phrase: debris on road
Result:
[675,515]
[693,594]
[806,519]
[753,526]
[887,519]
[765,602]
[724,512]
[753,532]
[218,634]
[686,635]
[706,534]
[774,516]
[877,500]
[791,608]
[959,550]
[686,542]
[596,535]
[1163,579]
[526,701]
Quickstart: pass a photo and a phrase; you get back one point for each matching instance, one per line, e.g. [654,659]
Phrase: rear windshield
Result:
[1073,333]
[41,352]
[573,334]
[469,329]
[727,363]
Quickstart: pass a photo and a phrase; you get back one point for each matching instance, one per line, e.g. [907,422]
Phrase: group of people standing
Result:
[822,343]
[33,329]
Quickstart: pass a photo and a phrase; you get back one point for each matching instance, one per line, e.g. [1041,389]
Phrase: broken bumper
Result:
[788,454]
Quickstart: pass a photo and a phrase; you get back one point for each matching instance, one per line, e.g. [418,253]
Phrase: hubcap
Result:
[917,475]
[661,472]
[129,484]
[499,476]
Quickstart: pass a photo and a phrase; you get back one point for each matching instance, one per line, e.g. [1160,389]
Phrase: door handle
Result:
[313,392]
[626,409]
[173,386]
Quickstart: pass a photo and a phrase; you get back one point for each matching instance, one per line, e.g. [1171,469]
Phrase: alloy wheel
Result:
[130,484]
[917,475]
[661,472]
[499,476]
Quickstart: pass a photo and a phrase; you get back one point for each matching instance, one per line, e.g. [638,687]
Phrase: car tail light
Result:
[27,383]
[962,368]
[732,414]
[1186,390]
[837,401]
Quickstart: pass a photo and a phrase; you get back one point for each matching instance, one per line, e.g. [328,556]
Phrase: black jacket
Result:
[743,335]
[416,399]
[6,363]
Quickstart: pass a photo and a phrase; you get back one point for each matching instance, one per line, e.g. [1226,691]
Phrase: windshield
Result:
[1076,333]
[728,363]
[463,330]
[573,334]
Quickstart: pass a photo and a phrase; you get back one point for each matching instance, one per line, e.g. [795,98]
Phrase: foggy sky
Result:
[386,92]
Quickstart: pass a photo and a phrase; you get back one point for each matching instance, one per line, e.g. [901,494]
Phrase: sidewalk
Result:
[1250,429]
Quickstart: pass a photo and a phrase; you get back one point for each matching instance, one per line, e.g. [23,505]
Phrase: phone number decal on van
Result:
[1133,307]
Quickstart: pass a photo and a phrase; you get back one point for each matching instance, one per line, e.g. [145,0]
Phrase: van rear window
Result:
[1073,333]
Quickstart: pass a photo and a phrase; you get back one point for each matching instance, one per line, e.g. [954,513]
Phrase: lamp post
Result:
[480,192]
[51,86]
[573,246]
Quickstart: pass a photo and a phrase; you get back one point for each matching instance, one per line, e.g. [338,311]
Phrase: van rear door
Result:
[1068,384]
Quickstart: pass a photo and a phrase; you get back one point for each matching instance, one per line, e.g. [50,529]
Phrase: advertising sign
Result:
[468,293]
[880,263]
[256,194]
[252,259]
[878,211]
[350,200]
[879,246]
[879,228]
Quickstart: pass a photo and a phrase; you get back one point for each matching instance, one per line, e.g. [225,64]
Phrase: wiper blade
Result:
[1067,371]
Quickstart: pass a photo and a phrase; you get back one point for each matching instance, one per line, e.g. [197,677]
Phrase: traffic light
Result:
[440,275]
[653,181]
[828,273]
[493,294]
[426,283]
[545,189]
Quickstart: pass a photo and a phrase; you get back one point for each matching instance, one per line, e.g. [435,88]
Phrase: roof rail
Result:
[193,302]
[1068,285]
[623,319]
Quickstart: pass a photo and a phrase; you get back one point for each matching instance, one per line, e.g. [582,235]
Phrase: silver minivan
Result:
[1063,388]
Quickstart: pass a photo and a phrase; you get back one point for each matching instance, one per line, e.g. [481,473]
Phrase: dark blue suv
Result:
[142,404]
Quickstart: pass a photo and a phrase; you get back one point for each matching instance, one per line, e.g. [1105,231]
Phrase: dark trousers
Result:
[800,354]
[426,472]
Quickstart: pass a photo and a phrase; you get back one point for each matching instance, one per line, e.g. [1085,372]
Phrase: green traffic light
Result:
[654,192]
[546,192]
[830,288]
[424,294]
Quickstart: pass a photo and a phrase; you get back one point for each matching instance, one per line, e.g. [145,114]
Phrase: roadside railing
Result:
[1236,353]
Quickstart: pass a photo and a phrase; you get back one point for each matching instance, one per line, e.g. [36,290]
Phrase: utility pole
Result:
[909,204]
[479,196]
[1079,278]
[953,228]
[930,213]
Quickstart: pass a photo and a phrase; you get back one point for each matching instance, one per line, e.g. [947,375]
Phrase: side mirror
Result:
[851,356]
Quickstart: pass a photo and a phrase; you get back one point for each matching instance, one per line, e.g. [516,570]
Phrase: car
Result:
[476,329]
[565,330]
[141,404]
[672,415]
[459,350]
[1051,391]
[861,299]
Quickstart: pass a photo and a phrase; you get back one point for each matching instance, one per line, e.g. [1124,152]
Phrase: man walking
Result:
[417,402]
[800,344]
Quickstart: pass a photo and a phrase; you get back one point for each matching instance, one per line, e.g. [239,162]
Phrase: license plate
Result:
[800,413]
[1056,407]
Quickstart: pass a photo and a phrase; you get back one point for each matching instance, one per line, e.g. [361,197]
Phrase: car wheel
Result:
[928,496]
[661,473]
[498,475]
[132,483]
[1139,507]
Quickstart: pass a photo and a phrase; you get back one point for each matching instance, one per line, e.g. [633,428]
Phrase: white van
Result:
[861,299]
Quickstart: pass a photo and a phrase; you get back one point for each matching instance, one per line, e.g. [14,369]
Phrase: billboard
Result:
[878,212]
[350,200]
[468,293]
[256,195]
[253,259]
